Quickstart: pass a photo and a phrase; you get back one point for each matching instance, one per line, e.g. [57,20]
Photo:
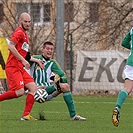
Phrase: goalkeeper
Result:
[42,79]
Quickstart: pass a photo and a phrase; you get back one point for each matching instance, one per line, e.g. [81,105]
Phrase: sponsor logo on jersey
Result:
[25,46]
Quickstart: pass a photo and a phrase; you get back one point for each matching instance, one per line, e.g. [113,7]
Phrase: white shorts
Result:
[128,72]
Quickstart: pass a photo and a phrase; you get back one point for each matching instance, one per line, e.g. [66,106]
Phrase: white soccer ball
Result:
[40,95]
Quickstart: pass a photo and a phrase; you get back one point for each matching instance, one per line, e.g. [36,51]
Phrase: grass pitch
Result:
[97,110]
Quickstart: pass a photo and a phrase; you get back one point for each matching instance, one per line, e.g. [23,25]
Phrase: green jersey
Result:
[42,77]
[127,42]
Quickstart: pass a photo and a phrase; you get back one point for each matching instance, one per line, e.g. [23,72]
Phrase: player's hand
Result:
[41,64]
[26,64]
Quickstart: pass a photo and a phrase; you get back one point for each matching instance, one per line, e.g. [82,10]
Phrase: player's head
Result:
[48,49]
[25,21]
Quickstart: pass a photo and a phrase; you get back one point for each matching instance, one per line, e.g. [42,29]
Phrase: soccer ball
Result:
[40,95]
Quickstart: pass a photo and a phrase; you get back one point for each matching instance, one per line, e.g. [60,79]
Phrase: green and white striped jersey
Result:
[127,42]
[42,77]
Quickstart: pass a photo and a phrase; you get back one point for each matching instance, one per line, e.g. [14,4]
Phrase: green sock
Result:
[121,99]
[70,103]
[50,89]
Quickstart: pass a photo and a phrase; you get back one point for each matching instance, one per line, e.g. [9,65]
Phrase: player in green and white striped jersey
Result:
[42,79]
[127,42]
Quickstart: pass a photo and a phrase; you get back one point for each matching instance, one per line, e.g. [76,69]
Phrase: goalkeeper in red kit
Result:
[17,77]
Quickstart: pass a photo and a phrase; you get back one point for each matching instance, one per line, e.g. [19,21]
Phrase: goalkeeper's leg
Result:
[68,99]
[52,96]
[52,92]
[67,95]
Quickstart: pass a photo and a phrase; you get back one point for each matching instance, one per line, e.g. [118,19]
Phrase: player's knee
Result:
[20,92]
[32,90]
[31,87]
[65,87]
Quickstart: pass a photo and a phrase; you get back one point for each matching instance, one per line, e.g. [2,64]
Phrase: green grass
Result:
[96,109]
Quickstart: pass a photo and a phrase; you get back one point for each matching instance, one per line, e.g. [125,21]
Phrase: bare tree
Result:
[41,13]
[95,25]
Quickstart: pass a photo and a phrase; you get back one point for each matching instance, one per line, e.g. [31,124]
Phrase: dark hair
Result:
[47,43]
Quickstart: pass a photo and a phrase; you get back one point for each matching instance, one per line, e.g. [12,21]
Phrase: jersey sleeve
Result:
[17,36]
[35,56]
[126,41]
[28,56]
[57,70]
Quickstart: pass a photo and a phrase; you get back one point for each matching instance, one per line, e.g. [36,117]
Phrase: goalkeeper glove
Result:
[57,80]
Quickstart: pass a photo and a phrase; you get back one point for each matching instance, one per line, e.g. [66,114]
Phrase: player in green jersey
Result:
[127,42]
[42,79]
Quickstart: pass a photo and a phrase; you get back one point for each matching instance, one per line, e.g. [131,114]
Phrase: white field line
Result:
[91,102]
[57,112]
[57,102]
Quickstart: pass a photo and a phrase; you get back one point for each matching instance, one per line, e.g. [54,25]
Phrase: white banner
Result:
[100,70]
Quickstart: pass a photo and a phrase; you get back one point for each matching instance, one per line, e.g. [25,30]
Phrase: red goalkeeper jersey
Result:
[20,38]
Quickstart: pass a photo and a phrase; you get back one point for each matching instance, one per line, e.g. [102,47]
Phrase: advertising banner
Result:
[100,70]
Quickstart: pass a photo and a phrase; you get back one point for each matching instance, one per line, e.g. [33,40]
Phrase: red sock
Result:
[29,104]
[8,95]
